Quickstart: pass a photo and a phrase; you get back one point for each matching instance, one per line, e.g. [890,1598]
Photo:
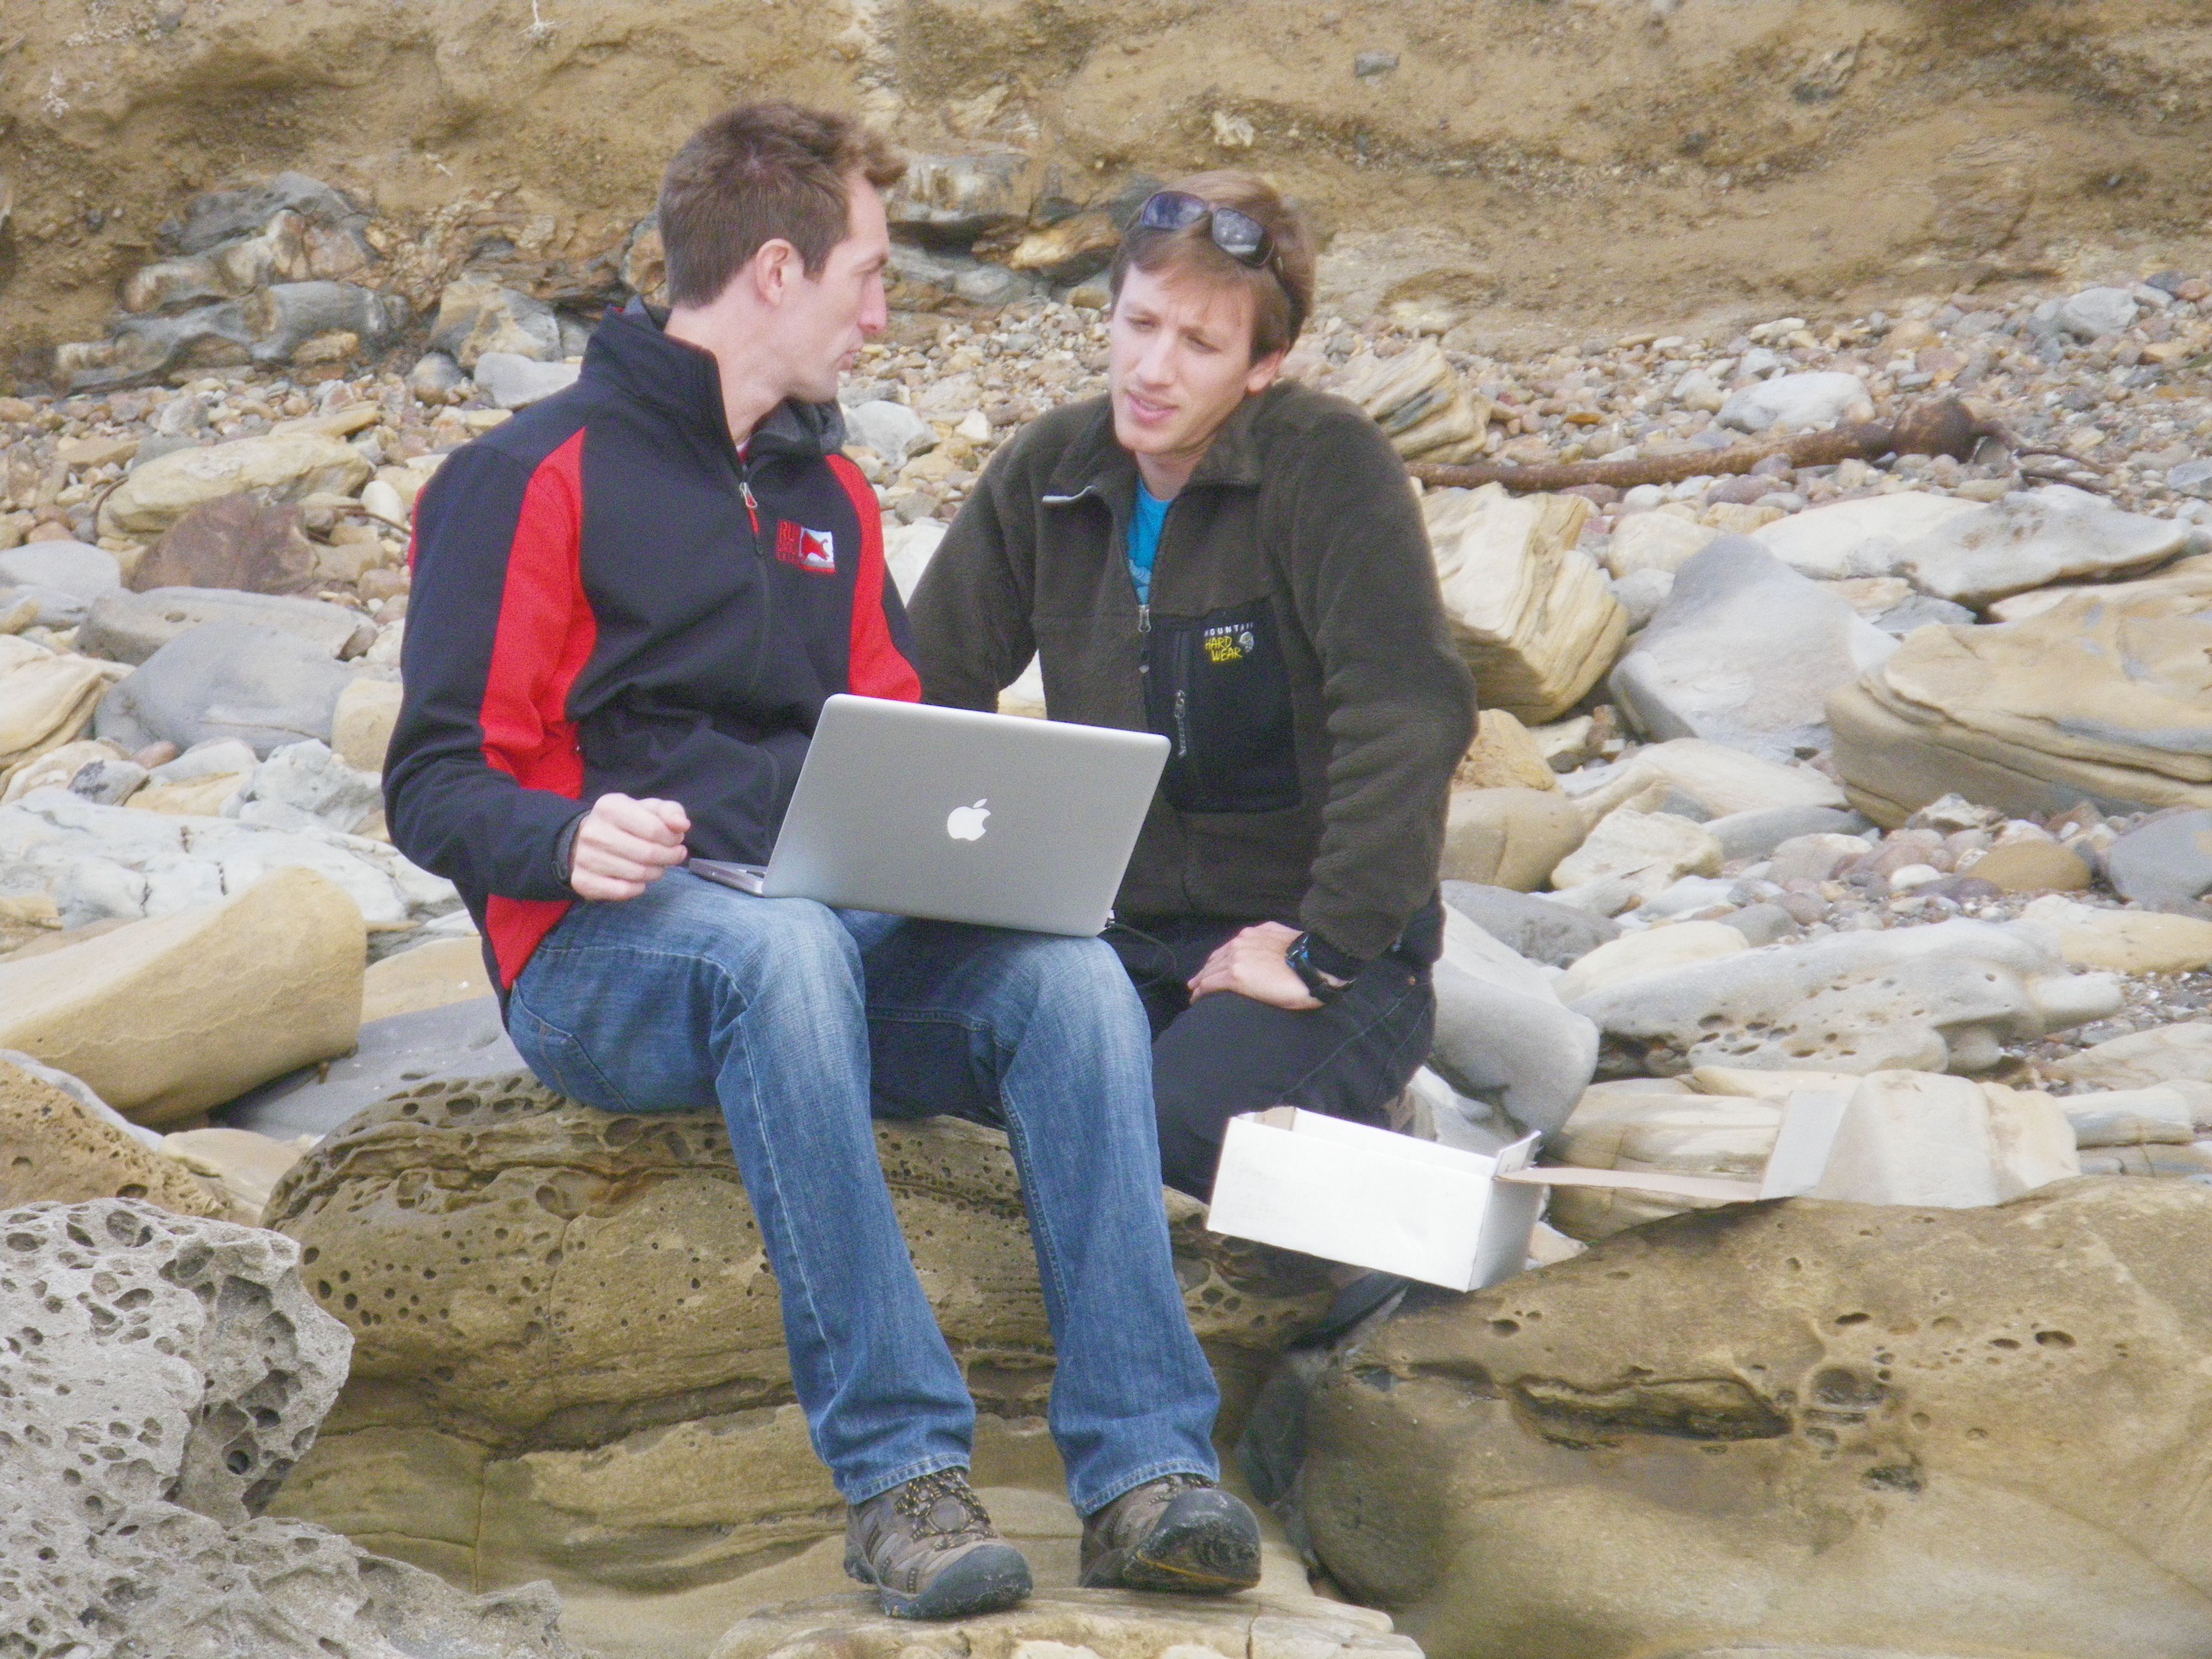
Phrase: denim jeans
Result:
[800,1022]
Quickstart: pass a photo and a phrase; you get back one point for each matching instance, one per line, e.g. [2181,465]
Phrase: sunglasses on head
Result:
[1240,236]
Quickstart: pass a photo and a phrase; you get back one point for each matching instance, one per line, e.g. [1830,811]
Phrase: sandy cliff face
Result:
[1585,160]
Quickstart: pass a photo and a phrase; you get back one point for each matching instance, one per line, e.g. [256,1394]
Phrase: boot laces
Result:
[918,1499]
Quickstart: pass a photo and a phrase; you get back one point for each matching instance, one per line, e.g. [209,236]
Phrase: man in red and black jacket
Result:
[629,604]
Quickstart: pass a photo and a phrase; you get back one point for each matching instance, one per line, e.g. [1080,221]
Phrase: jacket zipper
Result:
[752,509]
[1183,724]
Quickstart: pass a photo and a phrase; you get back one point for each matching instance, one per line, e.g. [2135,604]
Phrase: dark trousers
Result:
[1226,1053]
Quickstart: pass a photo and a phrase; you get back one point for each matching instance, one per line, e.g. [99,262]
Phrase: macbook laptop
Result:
[956,816]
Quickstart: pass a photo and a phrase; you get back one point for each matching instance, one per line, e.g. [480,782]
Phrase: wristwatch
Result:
[1321,985]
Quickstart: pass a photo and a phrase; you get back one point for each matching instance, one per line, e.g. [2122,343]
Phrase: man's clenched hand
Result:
[1252,965]
[623,844]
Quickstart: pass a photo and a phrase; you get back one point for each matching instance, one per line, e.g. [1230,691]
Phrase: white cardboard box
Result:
[1371,1198]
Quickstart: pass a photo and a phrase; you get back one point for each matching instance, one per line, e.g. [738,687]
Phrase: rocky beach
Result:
[1846,726]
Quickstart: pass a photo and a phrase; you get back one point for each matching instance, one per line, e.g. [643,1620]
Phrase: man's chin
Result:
[1139,437]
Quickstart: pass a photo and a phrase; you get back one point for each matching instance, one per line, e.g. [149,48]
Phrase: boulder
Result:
[1803,1428]
[1757,833]
[1649,850]
[1797,403]
[2032,538]
[234,542]
[165,1373]
[362,723]
[56,768]
[1532,615]
[1915,1138]
[2167,1114]
[282,467]
[1655,541]
[1744,652]
[432,976]
[304,784]
[1066,1624]
[239,1162]
[46,699]
[475,314]
[1653,951]
[63,577]
[1946,996]
[262,685]
[1509,837]
[1528,925]
[626,1425]
[339,318]
[2142,1059]
[1503,756]
[2031,866]
[1868,537]
[2166,863]
[514,381]
[128,628]
[2095,312]
[1419,400]
[957,198]
[168,1018]
[1647,1126]
[1720,780]
[1501,1034]
[52,1147]
[892,430]
[2099,699]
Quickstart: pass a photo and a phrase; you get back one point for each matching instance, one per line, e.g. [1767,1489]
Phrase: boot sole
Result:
[988,1581]
[1209,1550]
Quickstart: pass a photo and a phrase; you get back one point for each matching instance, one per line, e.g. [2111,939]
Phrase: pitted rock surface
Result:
[1796,1428]
[568,1354]
[52,1148]
[162,1374]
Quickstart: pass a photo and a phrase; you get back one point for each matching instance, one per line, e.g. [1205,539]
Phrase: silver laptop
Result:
[955,815]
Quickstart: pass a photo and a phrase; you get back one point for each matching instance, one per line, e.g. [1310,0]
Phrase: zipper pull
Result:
[752,506]
[1183,726]
[1144,626]
[1144,619]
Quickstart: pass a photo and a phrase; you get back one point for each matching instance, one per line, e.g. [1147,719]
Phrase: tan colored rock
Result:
[2124,941]
[164,1018]
[1655,541]
[446,970]
[1532,615]
[361,725]
[1655,951]
[1919,1137]
[2031,866]
[1721,779]
[1796,1428]
[1076,1624]
[1637,1127]
[1651,850]
[54,769]
[624,1425]
[1419,401]
[1503,756]
[201,797]
[280,467]
[2100,697]
[247,1165]
[2167,1053]
[47,698]
[1508,837]
[53,1150]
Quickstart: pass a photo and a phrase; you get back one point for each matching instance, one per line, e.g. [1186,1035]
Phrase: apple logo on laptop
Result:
[966,822]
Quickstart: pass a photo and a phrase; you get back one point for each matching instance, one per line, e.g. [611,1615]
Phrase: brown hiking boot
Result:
[1180,1532]
[930,1551]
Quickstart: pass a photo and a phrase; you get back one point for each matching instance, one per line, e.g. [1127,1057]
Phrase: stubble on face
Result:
[842,308]
[1179,364]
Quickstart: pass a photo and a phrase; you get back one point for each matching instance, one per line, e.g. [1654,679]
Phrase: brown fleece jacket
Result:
[1294,652]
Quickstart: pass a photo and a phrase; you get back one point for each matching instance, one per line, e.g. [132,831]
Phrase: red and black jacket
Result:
[608,597]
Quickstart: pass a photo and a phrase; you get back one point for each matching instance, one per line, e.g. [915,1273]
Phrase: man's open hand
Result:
[1252,965]
[623,845]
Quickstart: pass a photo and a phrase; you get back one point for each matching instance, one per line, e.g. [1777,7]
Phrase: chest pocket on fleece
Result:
[1215,688]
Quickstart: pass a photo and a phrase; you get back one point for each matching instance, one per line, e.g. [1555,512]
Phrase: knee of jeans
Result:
[805,941]
[1081,977]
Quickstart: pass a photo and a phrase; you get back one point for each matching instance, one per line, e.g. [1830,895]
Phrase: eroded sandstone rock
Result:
[53,1150]
[1799,1428]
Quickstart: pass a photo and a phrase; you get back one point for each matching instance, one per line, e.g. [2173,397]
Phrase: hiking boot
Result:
[1179,1533]
[930,1551]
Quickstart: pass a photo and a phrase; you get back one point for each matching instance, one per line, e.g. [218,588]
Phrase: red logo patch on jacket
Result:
[813,551]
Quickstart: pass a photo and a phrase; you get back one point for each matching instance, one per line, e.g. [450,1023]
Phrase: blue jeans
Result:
[801,1023]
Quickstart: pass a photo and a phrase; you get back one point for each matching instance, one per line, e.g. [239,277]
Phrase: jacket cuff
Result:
[564,849]
[1336,963]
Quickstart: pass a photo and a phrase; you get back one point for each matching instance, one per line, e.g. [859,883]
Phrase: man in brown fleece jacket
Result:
[1237,563]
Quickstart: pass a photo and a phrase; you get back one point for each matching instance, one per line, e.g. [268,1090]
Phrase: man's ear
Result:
[1262,374]
[776,265]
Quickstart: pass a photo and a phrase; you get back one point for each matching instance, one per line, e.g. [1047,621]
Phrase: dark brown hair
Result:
[1281,290]
[756,173]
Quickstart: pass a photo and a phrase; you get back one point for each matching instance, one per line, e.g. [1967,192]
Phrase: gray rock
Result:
[165,1373]
[1369,64]
[126,627]
[434,377]
[2032,537]
[1763,923]
[512,381]
[219,216]
[1818,399]
[1756,834]
[2095,312]
[1921,610]
[283,318]
[1744,652]
[62,575]
[477,315]
[995,285]
[462,1039]
[140,348]
[2164,863]
[2190,478]
[1643,593]
[1502,1034]
[1541,929]
[304,783]
[892,430]
[225,679]
[107,783]
[957,198]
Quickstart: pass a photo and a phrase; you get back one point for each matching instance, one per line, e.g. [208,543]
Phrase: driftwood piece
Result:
[1942,426]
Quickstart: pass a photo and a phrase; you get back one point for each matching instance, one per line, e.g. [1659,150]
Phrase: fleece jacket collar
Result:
[632,352]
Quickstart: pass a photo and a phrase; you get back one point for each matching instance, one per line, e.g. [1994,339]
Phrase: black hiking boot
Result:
[1181,1532]
[930,1551]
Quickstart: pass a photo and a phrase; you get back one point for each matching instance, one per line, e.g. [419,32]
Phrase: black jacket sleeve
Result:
[971,609]
[492,609]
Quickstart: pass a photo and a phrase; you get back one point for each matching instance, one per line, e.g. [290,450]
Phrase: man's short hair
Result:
[1281,290]
[756,173]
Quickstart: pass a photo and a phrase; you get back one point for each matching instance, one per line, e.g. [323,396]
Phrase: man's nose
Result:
[1154,364]
[875,308]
